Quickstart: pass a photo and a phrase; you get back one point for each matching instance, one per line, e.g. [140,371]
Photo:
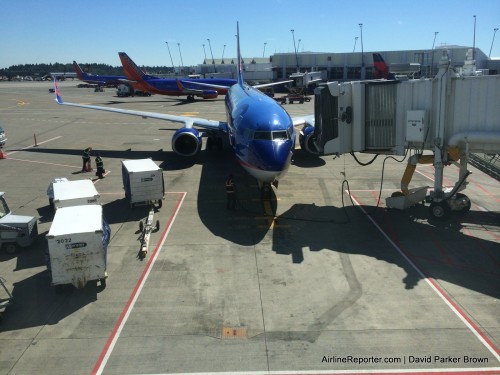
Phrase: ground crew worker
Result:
[86,160]
[100,166]
[230,193]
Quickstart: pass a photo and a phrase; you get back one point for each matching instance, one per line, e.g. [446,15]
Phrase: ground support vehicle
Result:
[15,230]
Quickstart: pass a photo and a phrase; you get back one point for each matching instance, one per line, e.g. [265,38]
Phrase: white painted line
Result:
[437,289]
[41,143]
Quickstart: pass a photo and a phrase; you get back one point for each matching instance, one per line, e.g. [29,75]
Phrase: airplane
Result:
[401,71]
[97,79]
[170,86]
[259,130]
[207,88]
[381,68]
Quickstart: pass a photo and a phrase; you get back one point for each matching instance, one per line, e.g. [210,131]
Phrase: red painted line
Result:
[480,187]
[439,291]
[108,347]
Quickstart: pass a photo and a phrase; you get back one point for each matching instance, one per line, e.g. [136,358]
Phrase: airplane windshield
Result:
[279,135]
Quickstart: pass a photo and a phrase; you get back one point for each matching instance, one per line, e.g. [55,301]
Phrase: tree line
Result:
[41,70]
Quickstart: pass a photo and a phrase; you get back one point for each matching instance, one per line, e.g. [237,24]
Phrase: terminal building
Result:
[344,66]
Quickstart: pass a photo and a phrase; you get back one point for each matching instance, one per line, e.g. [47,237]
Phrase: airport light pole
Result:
[295,49]
[474,40]
[432,52]
[355,40]
[223,50]
[362,53]
[213,61]
[172,60]
[205,53]
[494,32]
[180,54]
[263,53]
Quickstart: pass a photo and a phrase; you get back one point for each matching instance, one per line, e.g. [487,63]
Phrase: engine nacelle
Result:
[186,142]
[306,140]
[210,94]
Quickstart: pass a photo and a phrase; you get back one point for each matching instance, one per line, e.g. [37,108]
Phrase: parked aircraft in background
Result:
[170,86]
[381,68]
[259,130]
[97,79]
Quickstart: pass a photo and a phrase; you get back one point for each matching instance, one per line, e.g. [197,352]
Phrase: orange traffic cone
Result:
[3,155]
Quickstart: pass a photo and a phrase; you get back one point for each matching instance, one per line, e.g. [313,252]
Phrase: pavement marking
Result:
[42,162]
[441,371]
[41,143]
[115,334]
[438,290]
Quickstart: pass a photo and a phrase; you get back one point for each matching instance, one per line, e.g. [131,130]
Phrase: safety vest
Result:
[86,153]
[98,162]
[229,185]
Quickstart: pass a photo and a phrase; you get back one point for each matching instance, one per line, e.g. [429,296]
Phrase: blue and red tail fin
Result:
[381,68]
[79,72]
[132,71]
[240,61]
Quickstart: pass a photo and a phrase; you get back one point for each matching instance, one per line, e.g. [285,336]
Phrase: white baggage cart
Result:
[143,182]
[73,193]
[78,241]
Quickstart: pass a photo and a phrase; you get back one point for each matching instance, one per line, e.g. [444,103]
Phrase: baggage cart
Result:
[78,241]
[143,182]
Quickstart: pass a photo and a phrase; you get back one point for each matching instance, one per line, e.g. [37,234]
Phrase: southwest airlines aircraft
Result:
[260,132]
[171,86]
[97,79]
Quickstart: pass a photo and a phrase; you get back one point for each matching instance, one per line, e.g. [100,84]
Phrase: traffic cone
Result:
[3,155]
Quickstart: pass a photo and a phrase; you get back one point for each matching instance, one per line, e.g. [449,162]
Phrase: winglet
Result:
[240,61]
[56,91]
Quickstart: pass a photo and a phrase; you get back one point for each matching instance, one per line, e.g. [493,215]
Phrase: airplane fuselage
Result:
[260,132]
[168,86]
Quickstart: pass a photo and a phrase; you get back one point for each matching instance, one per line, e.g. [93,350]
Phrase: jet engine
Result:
[306,140]
[186,142]
[209,94]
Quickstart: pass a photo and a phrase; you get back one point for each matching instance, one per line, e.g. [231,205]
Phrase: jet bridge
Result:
[451,115]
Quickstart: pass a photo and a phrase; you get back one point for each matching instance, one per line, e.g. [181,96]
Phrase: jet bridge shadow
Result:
[442,251]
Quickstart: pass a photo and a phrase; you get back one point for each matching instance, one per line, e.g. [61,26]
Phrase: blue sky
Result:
[34,31]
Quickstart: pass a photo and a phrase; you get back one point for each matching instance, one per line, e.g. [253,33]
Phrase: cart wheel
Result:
[103,283]
[440,210]
[10,248]
[160,203]
[157,225]
[141,225]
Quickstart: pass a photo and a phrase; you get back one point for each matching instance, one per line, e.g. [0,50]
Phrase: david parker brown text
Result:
[405,359]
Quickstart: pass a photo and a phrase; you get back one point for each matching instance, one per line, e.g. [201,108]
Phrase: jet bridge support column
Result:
[439,207]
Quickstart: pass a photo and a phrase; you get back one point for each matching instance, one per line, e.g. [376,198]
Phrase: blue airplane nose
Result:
[274,155]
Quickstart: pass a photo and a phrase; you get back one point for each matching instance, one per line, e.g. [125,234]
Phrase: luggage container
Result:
[78,241]
[73,193]
[143,182]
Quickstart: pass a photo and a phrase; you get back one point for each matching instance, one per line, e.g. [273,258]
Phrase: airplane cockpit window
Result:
[280,135]
[262,136]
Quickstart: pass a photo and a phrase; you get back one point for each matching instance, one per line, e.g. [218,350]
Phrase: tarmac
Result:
[322,279]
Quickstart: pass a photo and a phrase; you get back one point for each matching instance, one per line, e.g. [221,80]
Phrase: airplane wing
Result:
[227,87]
[271,84]
[303,120]
[188,122]
[189,91]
